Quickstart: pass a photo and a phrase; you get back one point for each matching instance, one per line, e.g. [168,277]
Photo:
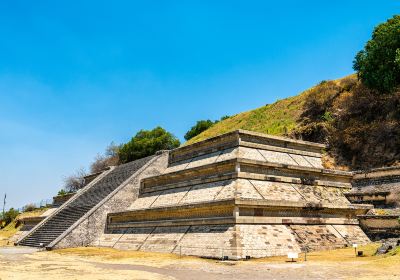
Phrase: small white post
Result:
[293,255]
[355,248]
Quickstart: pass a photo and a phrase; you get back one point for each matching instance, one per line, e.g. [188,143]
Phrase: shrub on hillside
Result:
[9,216]
[348,83]
[146,143]
[312,131]
[75,181]
[320,99]
[378,64]
[366,131]
[201,126]
[63,192]
[29,207]
[198,128]
[317,116]
[361,127]
[110,158]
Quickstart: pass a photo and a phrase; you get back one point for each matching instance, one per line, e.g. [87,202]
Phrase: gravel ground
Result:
[28,263]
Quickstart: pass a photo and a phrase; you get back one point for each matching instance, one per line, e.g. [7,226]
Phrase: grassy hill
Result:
[360,125]
[279,118]
[276,118]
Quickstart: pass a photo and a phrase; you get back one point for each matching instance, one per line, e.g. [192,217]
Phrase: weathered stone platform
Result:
[240,194]
[386,179]
[379,186]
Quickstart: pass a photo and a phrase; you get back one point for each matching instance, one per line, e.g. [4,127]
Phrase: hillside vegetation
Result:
[278,118]
[12,228]
[358,116]
[360,127]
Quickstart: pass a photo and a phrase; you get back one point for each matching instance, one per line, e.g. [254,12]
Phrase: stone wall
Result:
[381,226]
[379,179]
[29,223]
[378,199]
[376,185]
[235,241]
[288,157]
[61,199]
[241,189]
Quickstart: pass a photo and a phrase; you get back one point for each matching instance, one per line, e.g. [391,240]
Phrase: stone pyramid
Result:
[236,195]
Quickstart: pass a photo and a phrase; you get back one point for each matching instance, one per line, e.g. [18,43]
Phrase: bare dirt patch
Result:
[103,263]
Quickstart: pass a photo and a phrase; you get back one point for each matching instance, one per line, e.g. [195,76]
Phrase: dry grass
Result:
[124,256]
[338,255]
[331,256]
[11,229]
[279,118]
[113,254]
[372,266]
[106,263]
[375,266]
[330,162]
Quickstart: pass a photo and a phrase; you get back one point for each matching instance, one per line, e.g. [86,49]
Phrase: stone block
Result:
[170,197]
[228,191]
[249,153]
[278,157]
[246,190]
[352,234]
[318,237]
[145,201]
[277,190]
[301,160]
[265,240]
[133,238]
[315,161]
[164,239]
[203,192]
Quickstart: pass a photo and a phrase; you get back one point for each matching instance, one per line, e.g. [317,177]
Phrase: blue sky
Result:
[76,75]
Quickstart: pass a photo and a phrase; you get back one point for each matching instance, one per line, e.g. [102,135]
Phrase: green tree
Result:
[378,64]
[201,126]
[62,192]
[9,216]
[146,143]
[198,128]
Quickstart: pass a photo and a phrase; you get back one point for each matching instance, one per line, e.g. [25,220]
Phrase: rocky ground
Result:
[95,263]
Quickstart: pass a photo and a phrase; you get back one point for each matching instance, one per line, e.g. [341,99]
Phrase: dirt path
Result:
[94,263]
[225,272]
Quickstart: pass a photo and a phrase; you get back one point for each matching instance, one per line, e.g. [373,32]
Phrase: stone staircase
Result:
[70,213]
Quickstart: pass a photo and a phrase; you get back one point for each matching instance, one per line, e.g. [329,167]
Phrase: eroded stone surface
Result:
[274,201]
